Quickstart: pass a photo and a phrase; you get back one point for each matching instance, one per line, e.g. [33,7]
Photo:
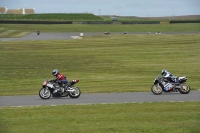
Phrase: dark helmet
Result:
[163,72]
[55,72]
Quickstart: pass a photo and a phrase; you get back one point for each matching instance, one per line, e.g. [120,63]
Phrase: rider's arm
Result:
[167,75]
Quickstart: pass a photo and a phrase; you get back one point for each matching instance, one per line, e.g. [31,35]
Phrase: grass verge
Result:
[4,33]
[164,117]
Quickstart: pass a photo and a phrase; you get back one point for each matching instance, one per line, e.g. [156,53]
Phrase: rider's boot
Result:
[62,89]
[174,90]
[55,91]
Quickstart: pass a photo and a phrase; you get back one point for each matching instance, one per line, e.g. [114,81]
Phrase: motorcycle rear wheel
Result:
[44,93]
[157,90]
[74,94]
[184,89]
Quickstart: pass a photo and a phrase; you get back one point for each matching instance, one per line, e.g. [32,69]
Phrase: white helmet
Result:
[55,72]
[163,72]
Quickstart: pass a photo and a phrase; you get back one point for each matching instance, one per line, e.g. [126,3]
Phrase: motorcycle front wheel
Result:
[156,89]
[44,93]
[184,89]
[74,92]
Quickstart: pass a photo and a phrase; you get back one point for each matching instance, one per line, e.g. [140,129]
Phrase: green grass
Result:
[103,28]
[164,117]
[4,33]
[51,17]
[114,63]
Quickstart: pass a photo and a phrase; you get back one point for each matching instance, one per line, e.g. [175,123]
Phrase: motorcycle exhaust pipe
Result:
[70,90]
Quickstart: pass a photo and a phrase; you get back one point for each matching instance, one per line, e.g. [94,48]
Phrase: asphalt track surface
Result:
[101,98]
[76,35]
[94,98]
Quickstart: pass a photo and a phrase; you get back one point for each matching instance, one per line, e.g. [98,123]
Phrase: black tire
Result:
[184,89]
[156,90]
[43,95]
[76,93]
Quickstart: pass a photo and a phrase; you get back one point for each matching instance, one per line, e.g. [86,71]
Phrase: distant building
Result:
[14,11]
[3,10]
[29,11]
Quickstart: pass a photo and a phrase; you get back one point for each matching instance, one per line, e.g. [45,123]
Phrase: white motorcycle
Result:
[162,84]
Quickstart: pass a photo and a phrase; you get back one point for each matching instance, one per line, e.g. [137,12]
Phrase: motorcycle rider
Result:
[169,75]
[38,32]
[60,77]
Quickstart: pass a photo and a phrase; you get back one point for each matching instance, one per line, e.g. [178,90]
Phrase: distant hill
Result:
[164,17]
[52,17]
[177,17]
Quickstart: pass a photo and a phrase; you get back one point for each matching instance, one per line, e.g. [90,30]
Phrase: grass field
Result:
[5,33]
[114,63]
[165,117]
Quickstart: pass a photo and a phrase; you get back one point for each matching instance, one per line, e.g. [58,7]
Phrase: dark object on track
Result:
[38,32]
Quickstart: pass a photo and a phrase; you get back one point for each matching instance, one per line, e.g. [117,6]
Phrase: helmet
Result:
[163,72]
[55,72]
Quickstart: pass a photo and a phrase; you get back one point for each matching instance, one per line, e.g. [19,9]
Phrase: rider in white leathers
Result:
[169,75]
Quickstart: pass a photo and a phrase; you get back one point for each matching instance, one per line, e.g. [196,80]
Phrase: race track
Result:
[76,35]
[100,98]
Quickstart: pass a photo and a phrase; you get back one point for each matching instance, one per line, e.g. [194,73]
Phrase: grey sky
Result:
[141,8]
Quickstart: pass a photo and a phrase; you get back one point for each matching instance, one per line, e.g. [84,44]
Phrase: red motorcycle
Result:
[68,89]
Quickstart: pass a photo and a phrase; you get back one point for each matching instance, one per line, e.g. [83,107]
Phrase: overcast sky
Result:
[141,8]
